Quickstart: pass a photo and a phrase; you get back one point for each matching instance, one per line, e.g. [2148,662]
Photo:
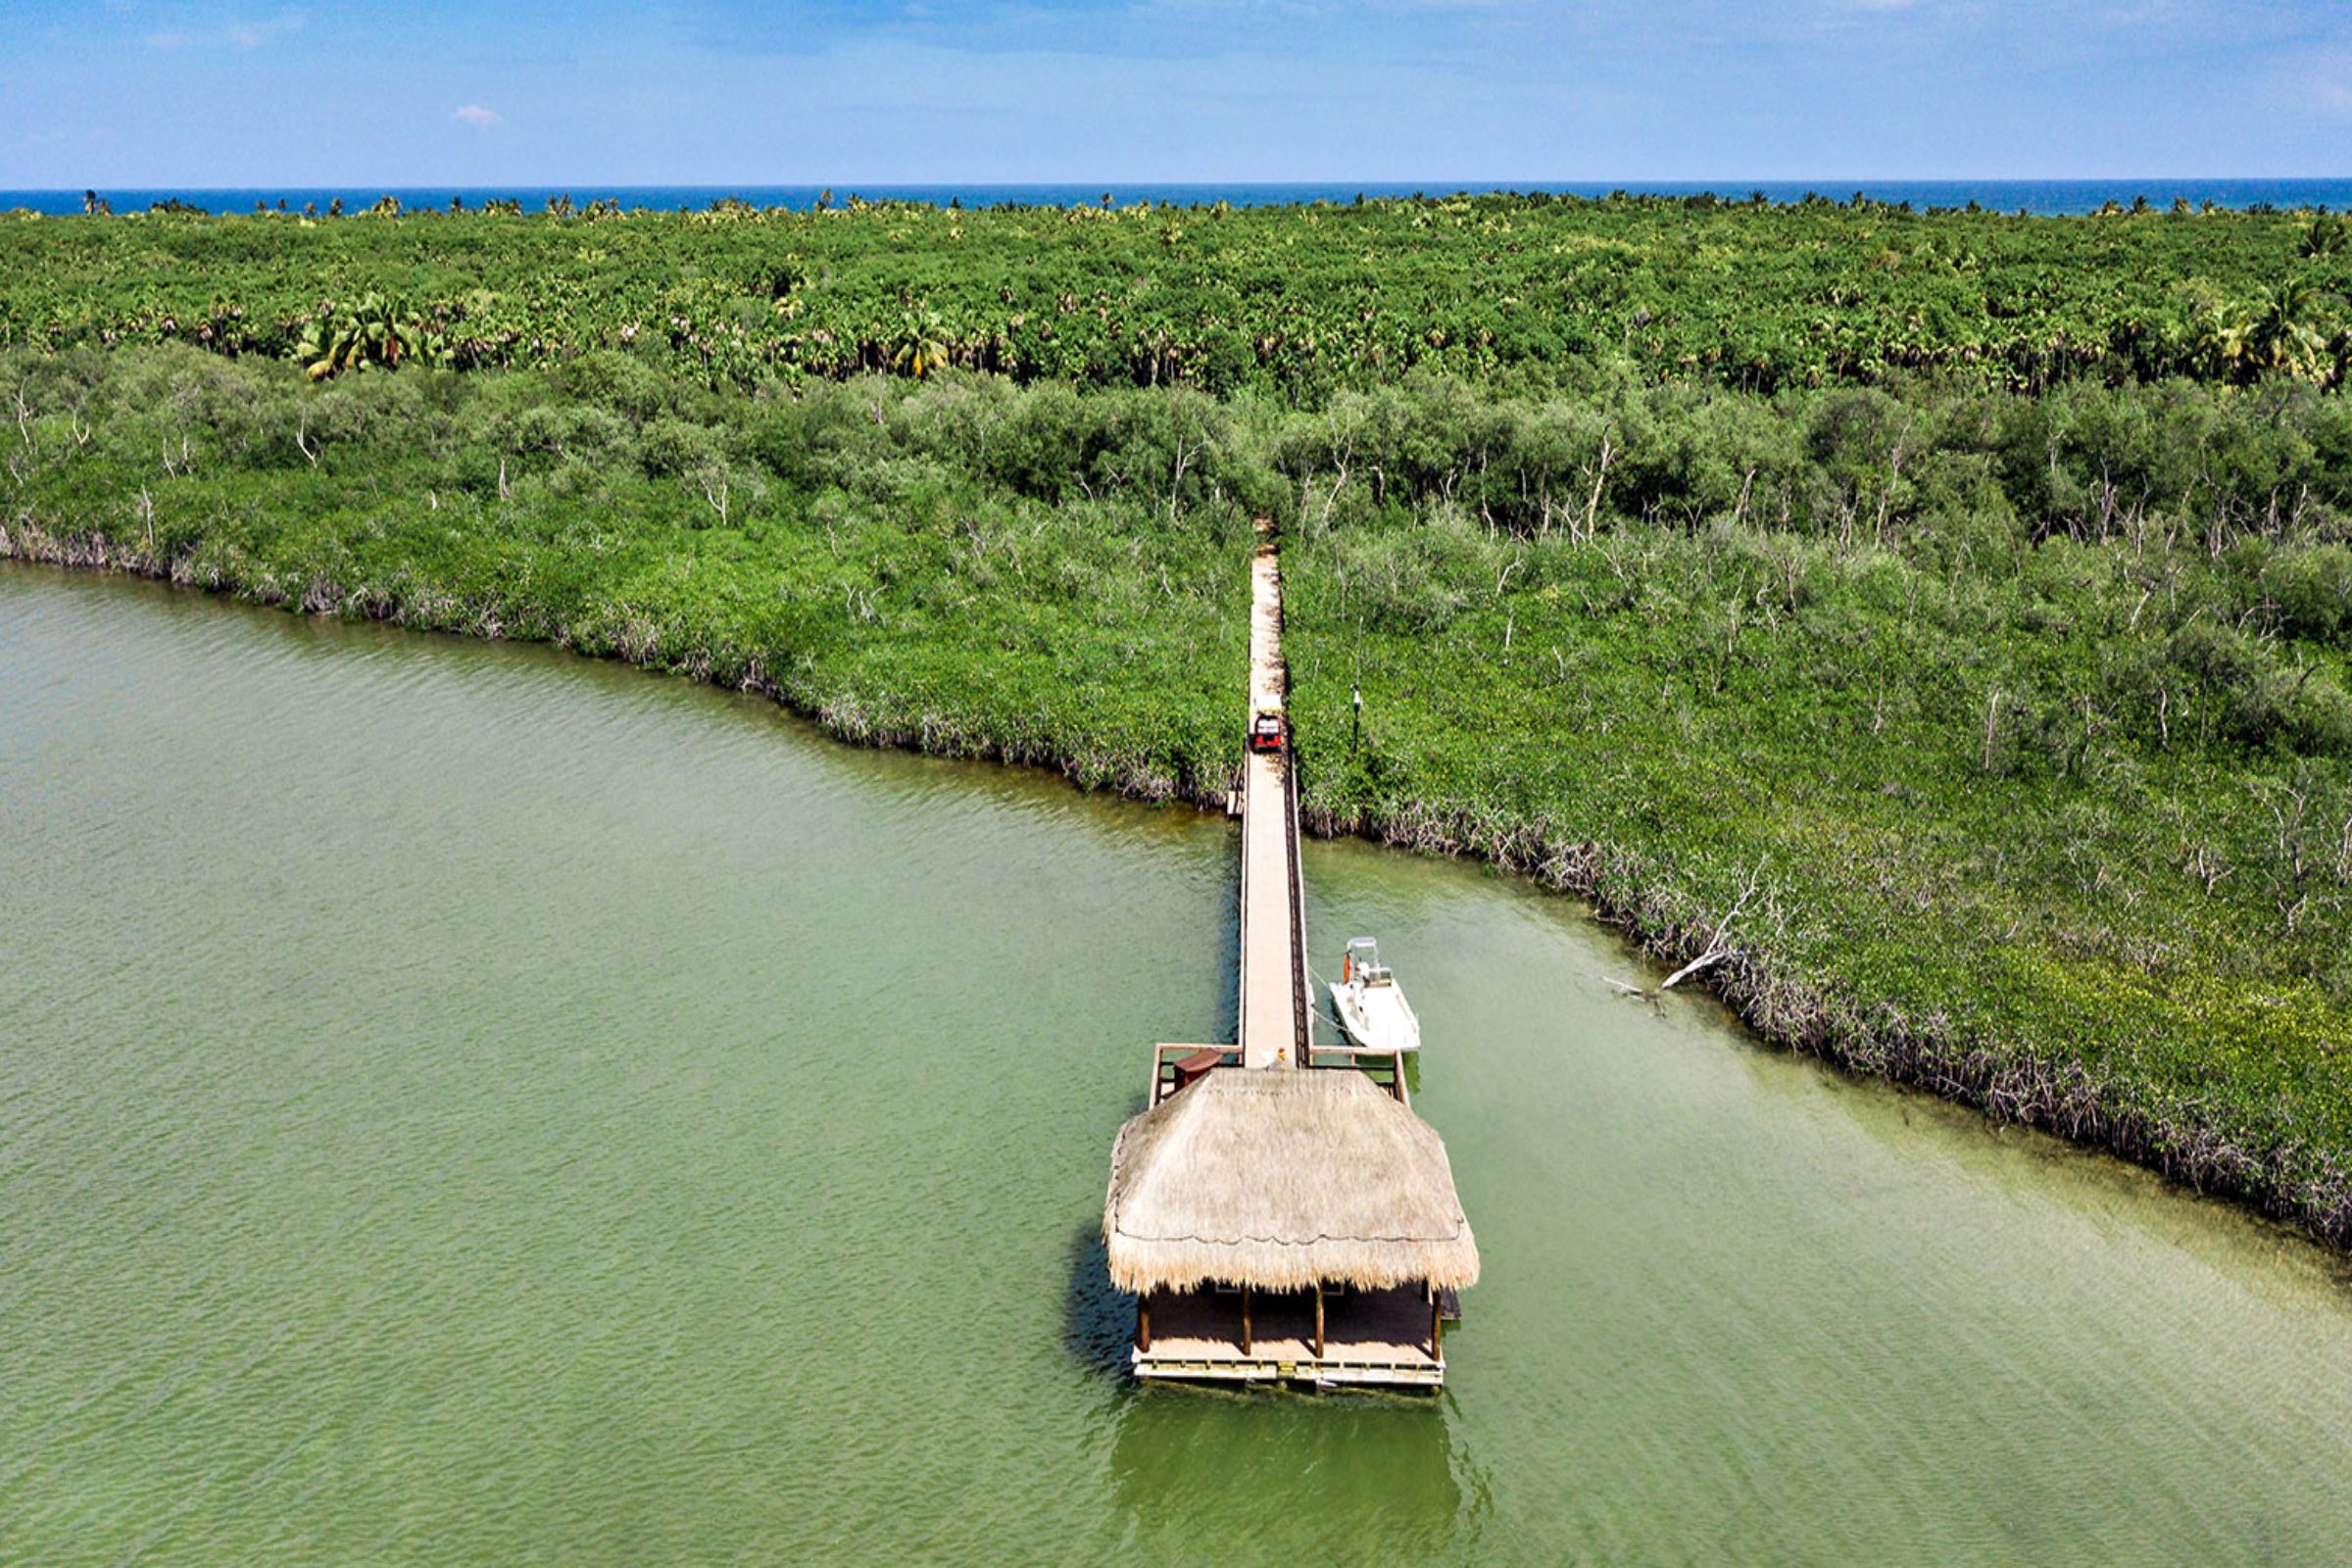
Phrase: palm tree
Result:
[917,348]
[375,331]
[2327,235]
[2287,337]
[2218,342]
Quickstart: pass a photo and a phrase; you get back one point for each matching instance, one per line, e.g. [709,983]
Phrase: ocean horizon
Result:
[2039,197]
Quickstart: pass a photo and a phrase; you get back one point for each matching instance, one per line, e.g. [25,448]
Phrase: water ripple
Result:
[462,1103]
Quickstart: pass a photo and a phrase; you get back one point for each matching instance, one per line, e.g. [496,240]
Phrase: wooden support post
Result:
[1318,1320]
[1143,1322]
[1247,1348]
[1436,1328]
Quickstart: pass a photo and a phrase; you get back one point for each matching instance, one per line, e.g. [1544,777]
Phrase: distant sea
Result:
[2039,196]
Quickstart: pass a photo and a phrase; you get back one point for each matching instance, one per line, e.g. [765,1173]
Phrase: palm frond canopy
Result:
[1280,1180]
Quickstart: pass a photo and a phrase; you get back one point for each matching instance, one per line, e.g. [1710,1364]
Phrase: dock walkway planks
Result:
[1273,988]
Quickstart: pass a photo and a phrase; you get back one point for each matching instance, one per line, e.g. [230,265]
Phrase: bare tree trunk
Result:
[1600,479]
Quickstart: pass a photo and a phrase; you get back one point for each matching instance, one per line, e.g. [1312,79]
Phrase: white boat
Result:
[1369,1002]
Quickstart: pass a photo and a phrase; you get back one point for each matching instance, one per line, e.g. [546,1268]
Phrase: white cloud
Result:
[230,35]
[254,35]
[476,115]
[2319,83]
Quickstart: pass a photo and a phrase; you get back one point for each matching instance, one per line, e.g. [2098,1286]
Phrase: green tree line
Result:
[1295,303]
[2001,740]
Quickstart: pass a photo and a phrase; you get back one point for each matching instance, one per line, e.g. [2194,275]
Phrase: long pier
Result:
[1277,1209]
[1276,1020]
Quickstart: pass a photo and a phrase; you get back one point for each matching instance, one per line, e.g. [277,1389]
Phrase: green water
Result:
[463,1104]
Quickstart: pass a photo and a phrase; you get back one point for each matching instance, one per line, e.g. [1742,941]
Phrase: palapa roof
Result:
[1279,1178]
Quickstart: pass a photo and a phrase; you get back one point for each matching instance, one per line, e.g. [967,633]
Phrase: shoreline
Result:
[2025,1088]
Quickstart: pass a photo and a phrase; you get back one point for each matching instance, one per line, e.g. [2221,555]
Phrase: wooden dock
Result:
[1278,1210]
[1275,1020]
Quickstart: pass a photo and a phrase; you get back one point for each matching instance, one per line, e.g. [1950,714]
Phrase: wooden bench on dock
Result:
[1177,1067]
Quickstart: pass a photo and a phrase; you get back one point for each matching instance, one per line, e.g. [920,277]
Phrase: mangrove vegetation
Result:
[1937,627]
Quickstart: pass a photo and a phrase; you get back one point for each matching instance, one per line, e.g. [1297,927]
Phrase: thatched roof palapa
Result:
[1279,1179]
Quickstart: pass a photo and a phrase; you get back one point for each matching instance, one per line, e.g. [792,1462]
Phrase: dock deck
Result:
[1274,1021]
[1386,1337]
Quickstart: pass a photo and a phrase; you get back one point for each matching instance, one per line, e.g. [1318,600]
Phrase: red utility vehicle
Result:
[1266,731]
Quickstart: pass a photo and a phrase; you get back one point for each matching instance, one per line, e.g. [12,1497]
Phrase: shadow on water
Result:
[1280,1474]
[1098,1323]
[1229,944]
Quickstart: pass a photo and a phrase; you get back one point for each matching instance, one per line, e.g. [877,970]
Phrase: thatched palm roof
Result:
[1279,1178]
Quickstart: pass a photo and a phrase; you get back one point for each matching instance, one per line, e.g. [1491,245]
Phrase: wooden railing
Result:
[1301,1019]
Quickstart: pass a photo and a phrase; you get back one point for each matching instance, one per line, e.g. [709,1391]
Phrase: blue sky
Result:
[196,92]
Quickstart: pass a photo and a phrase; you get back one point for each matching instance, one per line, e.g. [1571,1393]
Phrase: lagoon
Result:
[462,1103]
